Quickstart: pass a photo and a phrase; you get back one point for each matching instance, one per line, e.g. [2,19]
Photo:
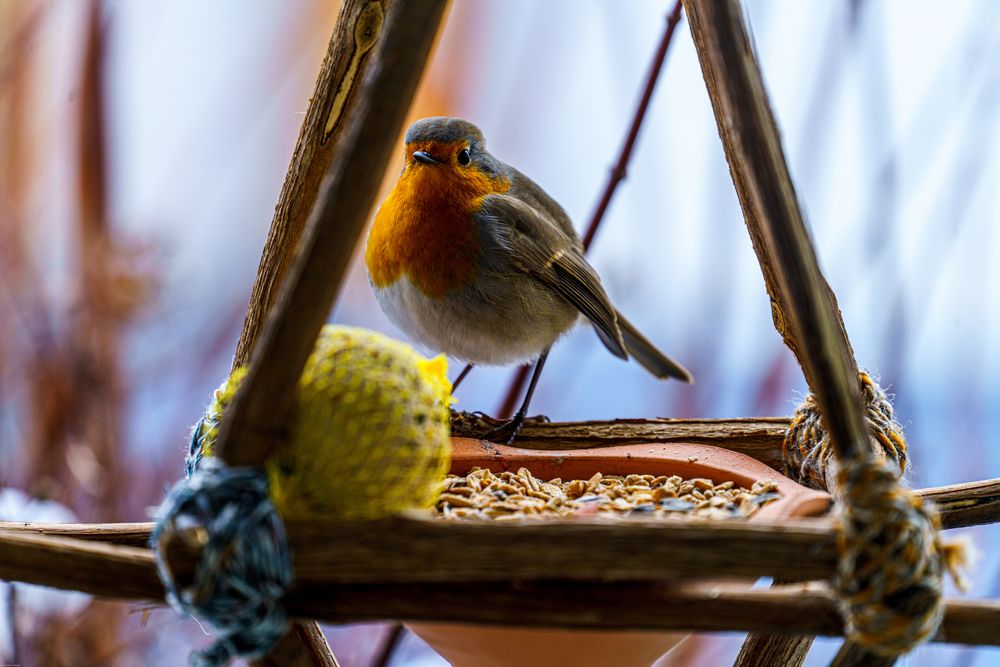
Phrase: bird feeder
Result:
[626,577]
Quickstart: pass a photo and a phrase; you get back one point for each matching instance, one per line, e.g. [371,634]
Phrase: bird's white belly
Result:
[466,326]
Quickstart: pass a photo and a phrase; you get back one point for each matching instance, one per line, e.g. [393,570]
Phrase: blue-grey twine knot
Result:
[196,445]
[245,567]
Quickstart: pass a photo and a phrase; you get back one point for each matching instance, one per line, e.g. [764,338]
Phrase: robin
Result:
[470,257]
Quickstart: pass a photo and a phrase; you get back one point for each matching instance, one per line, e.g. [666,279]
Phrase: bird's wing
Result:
[535,245]
[531,191]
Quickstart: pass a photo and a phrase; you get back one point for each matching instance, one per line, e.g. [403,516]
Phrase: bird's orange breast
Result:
[426,230]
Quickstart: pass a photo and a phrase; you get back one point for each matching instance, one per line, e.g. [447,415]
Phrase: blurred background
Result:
[143,146]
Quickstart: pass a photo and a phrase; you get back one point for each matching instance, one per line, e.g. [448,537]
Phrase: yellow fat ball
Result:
[370,435]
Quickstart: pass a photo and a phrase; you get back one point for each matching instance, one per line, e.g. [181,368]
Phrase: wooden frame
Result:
[377,54]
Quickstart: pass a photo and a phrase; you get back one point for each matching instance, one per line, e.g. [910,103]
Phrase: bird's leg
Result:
[461,376]
[507,432]
[462,421]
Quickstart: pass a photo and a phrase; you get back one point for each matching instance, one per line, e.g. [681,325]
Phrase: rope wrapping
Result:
[245,567]
[891,558]
[808,454]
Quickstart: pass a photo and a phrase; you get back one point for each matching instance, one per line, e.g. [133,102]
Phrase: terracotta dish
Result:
[476,646]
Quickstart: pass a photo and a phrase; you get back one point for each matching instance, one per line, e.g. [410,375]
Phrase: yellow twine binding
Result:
[891,557]
[806,450]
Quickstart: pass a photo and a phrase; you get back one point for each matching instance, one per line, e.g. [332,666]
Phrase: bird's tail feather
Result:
[648,355]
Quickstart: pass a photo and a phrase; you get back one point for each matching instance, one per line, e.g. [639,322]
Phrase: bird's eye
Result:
[464,157]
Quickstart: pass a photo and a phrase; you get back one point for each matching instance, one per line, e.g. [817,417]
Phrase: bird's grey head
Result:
[444,140]
[445,130]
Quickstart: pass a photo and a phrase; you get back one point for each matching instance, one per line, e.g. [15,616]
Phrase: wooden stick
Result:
[304,645]
[395,550]
[619,606]
[128,573]
[347,61]
[804,308]
[759,437]
[122,572]
[766,649]
[852,655]
[763,649]
[969,504]
[259,413]
[954,502]
[368,78]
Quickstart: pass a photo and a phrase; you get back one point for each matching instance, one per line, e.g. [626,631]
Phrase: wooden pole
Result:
[347,61]
[366,83]
[758,437]
[803,306]
[128,573]
[258,416]
[389,549]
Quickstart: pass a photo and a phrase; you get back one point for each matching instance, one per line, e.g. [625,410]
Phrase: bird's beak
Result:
[424,157]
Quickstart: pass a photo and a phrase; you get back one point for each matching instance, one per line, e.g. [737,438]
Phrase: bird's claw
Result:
[506,432]
[483,427]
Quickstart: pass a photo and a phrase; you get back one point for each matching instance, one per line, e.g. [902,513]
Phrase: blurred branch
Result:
[13,56]
[617,175]
[95,339]
[389,645]
[620,169]
[28,350]
[10,605]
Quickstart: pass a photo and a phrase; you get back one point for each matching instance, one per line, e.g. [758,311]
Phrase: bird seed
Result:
[482,494]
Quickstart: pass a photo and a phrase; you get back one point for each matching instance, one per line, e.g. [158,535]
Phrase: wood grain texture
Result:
[852,655]
[304,645]
[765,650]
[369,75]
[408,550]
[422,550]
[347,61]
[804,308]
[954,502]
[621,605]
[258,416]
[128,573]
[757,437]
[121,572]
[969,504]
[120,534]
